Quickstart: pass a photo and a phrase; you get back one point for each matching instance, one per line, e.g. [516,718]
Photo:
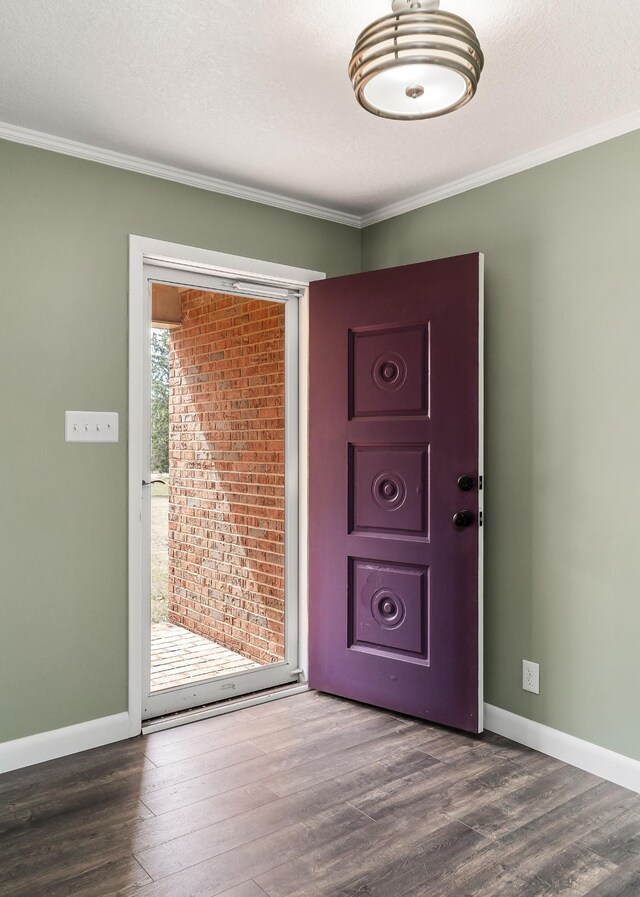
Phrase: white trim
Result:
[144,423]
[61,742]
[67,147]
[583,140]
[557,150]
[194,716]
[600,761]
[191,264]
[480,491]
[303,510]
[137,304]
[291,481]
[218,264]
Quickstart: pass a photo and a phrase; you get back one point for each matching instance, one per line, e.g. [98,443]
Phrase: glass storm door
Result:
[395,416]
[219,494]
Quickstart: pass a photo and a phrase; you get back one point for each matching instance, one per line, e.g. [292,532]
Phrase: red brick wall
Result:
[226,469]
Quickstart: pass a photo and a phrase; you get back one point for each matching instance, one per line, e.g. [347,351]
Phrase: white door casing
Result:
[159,261]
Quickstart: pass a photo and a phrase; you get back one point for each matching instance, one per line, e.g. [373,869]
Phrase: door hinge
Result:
[480,518]
[479,482]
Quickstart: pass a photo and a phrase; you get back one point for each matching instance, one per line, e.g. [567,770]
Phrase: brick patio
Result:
[179,657]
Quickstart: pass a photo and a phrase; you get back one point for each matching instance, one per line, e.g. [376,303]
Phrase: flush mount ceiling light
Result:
[416,63]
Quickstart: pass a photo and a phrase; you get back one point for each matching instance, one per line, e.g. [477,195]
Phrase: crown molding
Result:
[91,153]
[580,141]
[583,140]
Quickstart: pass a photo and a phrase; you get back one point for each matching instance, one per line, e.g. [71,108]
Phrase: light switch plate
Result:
[91,426]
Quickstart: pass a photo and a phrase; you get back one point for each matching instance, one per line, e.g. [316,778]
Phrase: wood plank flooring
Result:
[314,796]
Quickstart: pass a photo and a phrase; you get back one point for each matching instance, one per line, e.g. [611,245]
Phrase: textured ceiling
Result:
[256,91]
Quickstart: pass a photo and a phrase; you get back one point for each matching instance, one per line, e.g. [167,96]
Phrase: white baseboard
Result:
[62,742]
[591,757]
[607,764]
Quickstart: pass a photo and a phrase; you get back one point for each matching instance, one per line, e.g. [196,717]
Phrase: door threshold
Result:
[220,707]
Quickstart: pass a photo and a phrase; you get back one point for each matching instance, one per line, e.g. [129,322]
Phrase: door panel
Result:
[394,422]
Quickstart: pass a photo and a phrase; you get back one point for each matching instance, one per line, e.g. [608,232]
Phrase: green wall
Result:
[562,416]
[64,226]
[562,428]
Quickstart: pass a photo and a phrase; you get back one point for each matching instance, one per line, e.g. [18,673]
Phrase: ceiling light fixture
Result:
[416,63]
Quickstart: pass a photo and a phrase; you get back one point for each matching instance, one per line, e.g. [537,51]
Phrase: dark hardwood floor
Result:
[315,796]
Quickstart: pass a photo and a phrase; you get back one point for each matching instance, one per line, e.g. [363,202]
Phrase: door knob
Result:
[462,519]
[151,482]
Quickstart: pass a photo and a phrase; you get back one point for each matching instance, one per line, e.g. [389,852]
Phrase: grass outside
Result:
[159,550]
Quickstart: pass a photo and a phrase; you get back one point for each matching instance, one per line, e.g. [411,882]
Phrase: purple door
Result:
[394,510]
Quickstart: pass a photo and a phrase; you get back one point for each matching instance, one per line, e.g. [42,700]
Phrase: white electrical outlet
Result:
[531,676]
[91,426]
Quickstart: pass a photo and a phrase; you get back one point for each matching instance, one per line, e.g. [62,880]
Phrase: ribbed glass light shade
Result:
[416,64]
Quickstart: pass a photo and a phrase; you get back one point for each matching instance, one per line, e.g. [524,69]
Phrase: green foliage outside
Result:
[160,401]
[159,465]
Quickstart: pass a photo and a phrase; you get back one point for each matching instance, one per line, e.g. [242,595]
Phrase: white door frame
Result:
[202,262]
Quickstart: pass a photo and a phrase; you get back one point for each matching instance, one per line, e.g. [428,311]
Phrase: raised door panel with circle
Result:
[389,609]
[389,489]
[389,372]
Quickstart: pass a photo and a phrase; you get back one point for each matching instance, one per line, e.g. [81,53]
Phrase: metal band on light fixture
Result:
[416,63]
